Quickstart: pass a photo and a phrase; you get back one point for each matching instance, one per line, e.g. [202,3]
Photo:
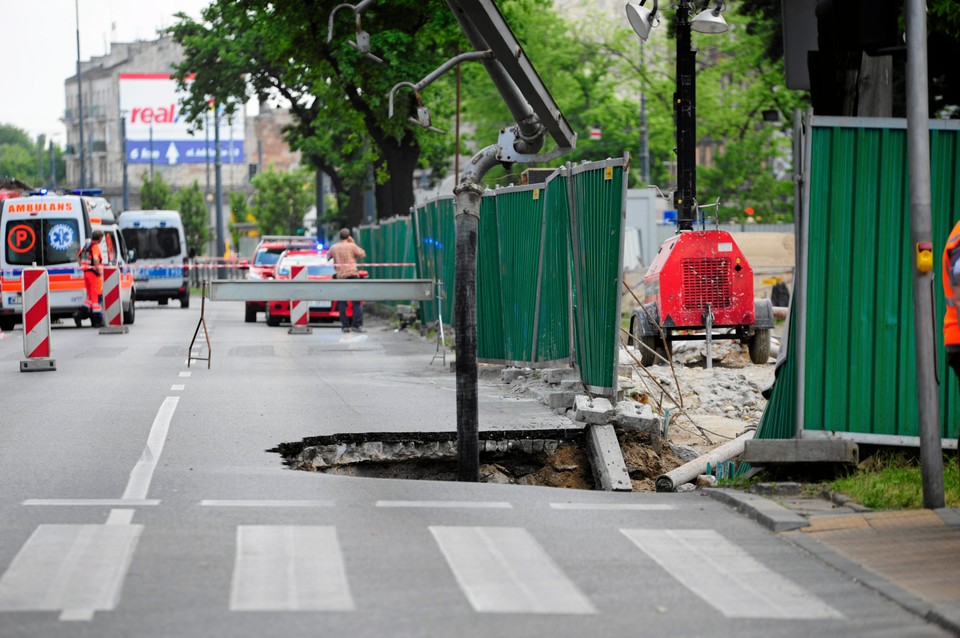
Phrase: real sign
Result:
[158,133]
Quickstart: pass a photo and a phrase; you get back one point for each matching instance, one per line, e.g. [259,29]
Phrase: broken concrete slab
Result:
[637,416]
[556,375]
[509,375]
[491,373]
[559,399]
[609,468]
[571,384]
[762,452]
[596,411]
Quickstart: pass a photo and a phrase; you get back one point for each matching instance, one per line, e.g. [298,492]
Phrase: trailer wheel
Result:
[760,346]
[647,347]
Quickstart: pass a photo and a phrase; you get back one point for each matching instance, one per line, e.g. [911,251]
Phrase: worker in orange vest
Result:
[951,290]
[91,263]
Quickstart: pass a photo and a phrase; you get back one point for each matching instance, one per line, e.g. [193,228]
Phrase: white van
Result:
[48,230]
[159,246]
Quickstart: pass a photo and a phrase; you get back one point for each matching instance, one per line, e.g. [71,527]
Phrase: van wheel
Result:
[184,300]
[272,321]
[130,314]
[163,302]
[7,323]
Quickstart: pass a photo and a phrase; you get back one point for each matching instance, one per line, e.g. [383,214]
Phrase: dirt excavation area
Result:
[667,416]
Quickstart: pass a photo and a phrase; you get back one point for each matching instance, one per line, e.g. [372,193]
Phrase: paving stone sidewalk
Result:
[911,557]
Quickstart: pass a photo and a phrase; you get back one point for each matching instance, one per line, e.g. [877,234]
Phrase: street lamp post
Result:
[123,160]
[685,115]
[83,170]
[218,186]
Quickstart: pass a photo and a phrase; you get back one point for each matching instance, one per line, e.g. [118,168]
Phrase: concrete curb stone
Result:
[767,513]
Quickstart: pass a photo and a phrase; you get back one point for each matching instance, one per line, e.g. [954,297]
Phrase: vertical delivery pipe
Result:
[467,222]
[918,141]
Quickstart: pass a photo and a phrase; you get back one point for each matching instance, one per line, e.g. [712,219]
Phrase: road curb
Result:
[764,511]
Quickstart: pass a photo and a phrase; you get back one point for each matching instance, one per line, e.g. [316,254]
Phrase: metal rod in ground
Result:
[688,472]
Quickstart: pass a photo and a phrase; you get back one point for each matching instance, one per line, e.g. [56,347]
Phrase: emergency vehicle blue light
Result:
[162,224]
[89,192]
[43,191]
[319,246]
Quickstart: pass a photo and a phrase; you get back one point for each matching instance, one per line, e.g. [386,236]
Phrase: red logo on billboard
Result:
[21,238]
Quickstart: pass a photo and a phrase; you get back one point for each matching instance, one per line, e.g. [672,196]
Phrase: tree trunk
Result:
[353,207]
[395,197]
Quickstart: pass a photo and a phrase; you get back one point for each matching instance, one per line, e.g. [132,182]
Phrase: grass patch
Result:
[892,481]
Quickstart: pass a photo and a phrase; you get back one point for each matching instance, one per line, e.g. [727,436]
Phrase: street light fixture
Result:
[641,18]
[710,20]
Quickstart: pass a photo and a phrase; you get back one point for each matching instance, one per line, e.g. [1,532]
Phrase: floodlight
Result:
[710,20]
[642,18]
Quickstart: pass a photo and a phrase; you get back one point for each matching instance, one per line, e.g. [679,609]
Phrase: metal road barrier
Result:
[366,289]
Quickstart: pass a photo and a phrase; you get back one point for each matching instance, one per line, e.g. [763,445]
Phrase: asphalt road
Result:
[138,498]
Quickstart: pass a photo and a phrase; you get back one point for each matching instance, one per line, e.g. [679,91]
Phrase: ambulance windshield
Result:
[45,242]
[153,243]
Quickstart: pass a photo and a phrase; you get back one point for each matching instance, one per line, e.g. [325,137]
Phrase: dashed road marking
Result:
[447,504]
[264,503]
[647,507]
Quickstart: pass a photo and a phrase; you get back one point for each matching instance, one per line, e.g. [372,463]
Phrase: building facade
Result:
[124,129]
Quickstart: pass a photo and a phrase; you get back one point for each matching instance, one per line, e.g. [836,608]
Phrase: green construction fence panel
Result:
[858,366]
[553,346]
[519,231]
[491,347]
[597,204]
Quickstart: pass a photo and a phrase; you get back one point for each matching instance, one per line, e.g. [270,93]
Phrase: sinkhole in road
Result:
[554,458]
[543,457]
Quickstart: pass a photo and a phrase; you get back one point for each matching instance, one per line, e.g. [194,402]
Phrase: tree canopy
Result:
[281,200]
[192,206]
[29,160]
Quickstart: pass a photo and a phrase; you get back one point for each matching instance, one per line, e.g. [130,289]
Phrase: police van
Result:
[159,245]
[47,230]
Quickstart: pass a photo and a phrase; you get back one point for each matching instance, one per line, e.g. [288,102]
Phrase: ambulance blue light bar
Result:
[87,192]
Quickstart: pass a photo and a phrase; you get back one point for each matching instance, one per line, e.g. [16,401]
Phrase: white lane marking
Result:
[177,387]
[76,569]
[256,503]
[108,502]
[74,615]
[652,507]
[120,517]
[289,568]
[142,473]
[184,374]
[505,570]
[447,504]
[727,577]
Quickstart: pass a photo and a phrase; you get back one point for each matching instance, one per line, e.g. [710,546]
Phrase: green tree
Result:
[338,98]
[18,161]
[154,193]
[196,219]
[281,200]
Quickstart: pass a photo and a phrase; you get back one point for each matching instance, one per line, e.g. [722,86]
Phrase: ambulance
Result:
[47,230]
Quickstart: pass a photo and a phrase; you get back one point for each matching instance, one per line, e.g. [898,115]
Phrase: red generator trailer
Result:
[700,286]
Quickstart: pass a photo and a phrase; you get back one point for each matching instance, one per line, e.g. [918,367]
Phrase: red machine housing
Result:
[696,268]
[700,280]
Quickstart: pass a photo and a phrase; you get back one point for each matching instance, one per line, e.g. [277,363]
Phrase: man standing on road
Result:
[951,289]
[345,254]
[91,263]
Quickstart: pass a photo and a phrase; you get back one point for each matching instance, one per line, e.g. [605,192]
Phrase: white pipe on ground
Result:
[688,472]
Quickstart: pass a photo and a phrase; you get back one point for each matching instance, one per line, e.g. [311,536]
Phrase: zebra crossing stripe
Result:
[289,568]
[505,570]
[727,577]
[75,569]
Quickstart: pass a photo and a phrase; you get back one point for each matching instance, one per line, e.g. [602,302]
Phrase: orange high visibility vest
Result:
[951,330]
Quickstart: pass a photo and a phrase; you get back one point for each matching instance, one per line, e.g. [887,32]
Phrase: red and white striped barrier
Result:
[36,321]
[299,309]
[112,306]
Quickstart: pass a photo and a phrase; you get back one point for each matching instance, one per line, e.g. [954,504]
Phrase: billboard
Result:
[158,133]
